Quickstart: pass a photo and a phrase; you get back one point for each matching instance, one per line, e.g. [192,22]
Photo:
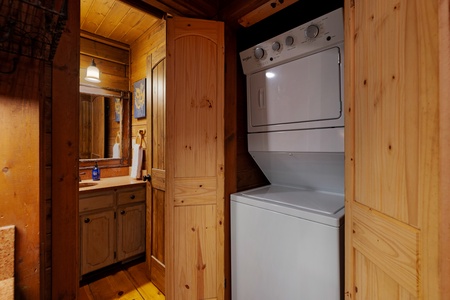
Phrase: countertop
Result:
[110,182]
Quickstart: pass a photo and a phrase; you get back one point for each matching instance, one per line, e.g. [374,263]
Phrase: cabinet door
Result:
[97,240]
[130,231]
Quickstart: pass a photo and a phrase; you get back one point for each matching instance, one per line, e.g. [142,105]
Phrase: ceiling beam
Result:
[145,7]
[264,11]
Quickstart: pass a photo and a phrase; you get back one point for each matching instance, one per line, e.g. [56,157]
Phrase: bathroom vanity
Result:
[112,221]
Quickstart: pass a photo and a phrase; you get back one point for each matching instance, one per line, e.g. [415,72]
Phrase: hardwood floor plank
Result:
[138,276]
[85,293]
[115,286]
[129,282]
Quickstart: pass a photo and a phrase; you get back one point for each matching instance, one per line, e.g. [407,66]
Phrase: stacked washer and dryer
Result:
[287,237]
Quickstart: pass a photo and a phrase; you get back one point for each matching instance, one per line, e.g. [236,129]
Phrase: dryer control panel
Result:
[310,37]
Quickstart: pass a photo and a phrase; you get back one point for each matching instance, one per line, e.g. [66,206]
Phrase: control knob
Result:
[276,46]
[312,31]
[259,53]
[289,40]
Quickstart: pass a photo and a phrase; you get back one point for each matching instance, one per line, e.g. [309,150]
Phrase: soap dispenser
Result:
[96,172]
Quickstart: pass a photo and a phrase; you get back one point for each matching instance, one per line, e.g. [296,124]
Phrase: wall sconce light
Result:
[93,73]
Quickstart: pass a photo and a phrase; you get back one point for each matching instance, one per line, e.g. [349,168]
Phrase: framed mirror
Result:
[104,127]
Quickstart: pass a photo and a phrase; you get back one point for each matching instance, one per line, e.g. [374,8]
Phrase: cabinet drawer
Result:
[96,201]
[136,194]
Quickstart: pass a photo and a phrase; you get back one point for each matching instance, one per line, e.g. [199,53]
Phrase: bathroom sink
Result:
[87,184]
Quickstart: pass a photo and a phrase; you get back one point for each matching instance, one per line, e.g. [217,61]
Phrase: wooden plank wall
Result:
[112,61]
[64,161]
[21,106]
[153,40]
[444,154]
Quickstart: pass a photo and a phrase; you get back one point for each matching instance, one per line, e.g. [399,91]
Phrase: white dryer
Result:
[287,238]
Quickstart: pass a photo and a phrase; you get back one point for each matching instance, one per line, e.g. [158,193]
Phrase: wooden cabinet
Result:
[112,226]
[97,240]
[130,222]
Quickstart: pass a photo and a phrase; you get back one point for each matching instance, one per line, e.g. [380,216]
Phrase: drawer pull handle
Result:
[122,212]
[87,220]
[132,196]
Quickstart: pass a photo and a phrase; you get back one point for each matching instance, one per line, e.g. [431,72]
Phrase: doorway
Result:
[126,30]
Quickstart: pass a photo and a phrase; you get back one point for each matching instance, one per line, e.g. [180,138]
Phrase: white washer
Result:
[287,238]
[286,244]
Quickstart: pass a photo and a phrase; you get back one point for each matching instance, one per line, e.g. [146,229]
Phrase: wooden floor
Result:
[127,282]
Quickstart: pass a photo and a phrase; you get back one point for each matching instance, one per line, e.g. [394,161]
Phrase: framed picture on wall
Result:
[139,99]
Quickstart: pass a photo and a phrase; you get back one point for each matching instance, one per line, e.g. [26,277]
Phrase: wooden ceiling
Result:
[114,20]
[125,21]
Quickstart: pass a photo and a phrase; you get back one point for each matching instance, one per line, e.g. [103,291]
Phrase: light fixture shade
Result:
[92,73]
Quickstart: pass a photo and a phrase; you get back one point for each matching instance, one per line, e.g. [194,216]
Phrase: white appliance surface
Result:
[313,81]
[295,80]
[287,239]
[322,207]
[286,249]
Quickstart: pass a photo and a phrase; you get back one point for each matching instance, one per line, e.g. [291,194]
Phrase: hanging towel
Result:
[136,163]
[116,150]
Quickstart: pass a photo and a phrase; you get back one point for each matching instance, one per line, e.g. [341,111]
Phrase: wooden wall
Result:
[63,118]
[111,59]
[153,40]
[20,186]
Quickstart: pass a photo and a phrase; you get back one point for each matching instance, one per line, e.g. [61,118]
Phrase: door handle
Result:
[87,220]
[147,177]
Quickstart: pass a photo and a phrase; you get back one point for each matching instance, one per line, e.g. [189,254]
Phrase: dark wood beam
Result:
[193,9]
[147,8]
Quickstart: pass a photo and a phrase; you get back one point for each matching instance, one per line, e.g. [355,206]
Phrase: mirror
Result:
[100,127]
[104,125]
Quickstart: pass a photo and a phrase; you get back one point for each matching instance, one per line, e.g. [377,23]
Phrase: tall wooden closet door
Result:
[157,190]
[195,159]
[392,145]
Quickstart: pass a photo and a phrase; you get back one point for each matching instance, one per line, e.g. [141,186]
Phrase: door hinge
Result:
[115,254]
[225,283]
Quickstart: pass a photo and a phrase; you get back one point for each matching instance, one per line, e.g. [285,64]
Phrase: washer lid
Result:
[325,203]
[322,207]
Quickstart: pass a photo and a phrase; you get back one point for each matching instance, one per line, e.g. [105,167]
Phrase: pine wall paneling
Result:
[65,171]
[151,41]
[21,108]
[444,154]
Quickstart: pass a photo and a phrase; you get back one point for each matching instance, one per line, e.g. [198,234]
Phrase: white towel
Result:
[116,150]
[136,163]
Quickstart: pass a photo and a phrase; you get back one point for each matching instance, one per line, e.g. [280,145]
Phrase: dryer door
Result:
[304,93]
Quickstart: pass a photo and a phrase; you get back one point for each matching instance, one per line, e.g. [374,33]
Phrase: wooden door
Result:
[97,240]
[195,159]
[157,190]
[392,149]
[130,230]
